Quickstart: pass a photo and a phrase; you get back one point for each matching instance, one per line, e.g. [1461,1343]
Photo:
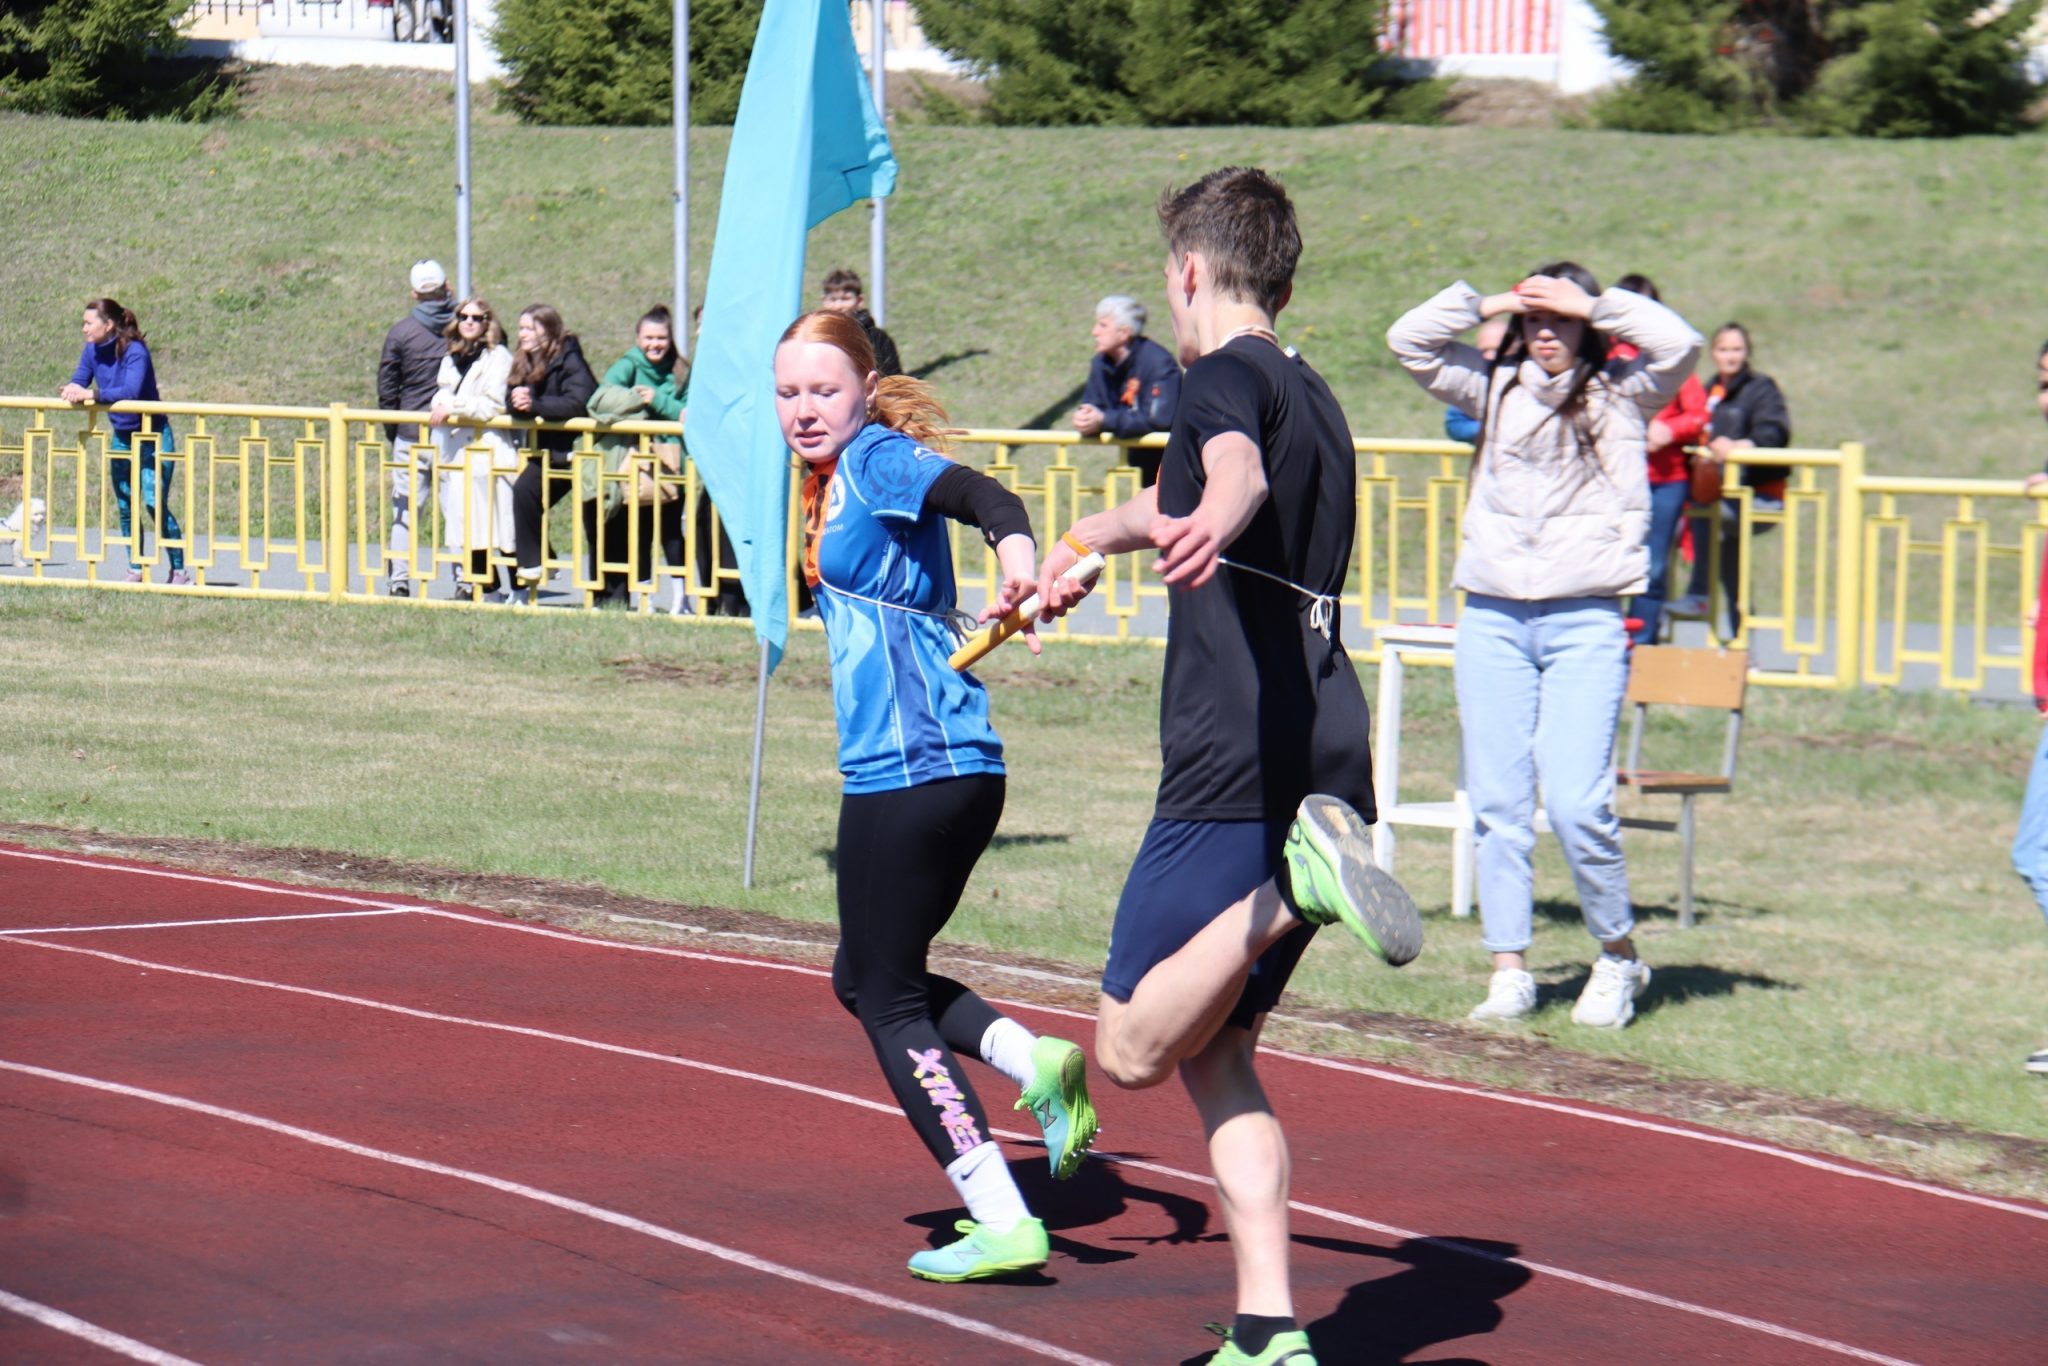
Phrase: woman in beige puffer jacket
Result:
[1553,540]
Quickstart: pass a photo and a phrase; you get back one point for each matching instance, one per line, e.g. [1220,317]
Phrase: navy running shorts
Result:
[1186,874]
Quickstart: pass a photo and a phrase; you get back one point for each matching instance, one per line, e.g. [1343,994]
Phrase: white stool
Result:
[1396,643]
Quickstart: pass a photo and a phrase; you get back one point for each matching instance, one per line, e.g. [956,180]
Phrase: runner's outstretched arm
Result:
[1128,526]
[1190,546]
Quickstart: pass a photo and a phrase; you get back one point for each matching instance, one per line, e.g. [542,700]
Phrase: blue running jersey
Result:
[885,567]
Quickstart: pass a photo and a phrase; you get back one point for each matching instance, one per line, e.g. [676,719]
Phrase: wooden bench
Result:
[1665,676]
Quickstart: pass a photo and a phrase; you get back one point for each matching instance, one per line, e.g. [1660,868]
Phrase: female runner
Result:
[923,769]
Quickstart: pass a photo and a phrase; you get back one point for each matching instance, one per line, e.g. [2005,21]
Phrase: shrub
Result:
[1882,68]
[1276,62]
[612,62]
[112,59]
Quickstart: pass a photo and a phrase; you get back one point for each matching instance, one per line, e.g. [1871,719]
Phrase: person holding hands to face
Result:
[1553,539]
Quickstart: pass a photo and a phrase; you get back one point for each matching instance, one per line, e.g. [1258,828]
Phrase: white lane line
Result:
[1673,1131]
[1630,1292]
[1577,1278]
[91,1332]
[573,1206]
[206,878]
[1807,1160]
[230,920]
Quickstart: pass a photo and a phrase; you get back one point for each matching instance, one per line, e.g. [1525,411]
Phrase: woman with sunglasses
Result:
[476,499]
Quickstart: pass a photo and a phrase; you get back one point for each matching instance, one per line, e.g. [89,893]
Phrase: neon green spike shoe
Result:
[1334,880]
[1058,1096]
[982,1253]
[1286,1349]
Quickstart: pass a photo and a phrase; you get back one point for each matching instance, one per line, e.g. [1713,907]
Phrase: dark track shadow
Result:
[1055,410]
[1559,910]
[1096,1194]
[1444,1293]
[1024,841]
[1670,986]
[932,367]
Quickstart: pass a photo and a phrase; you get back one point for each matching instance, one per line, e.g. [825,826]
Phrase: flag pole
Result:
[878,222]
[462,149]
[754,789]
[680,333]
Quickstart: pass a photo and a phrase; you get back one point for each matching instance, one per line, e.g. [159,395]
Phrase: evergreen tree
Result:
[612,61]
[103,59]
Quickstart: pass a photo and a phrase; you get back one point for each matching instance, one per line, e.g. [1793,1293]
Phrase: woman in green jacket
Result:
[649,370]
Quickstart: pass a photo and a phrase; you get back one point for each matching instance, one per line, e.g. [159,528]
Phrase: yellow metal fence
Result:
[1857,578]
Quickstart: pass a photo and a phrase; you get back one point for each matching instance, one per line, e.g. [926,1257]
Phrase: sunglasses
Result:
[474,317]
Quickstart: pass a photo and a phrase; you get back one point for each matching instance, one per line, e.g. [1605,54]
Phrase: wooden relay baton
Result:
[996,632]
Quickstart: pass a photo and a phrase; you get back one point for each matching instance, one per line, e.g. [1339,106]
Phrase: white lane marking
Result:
[573,1206]
[1400,1079]
[207,878]
[1673,1131]
[91,1332]
[230,920]
[526,1030]
[1575,1277]
[1648,1297]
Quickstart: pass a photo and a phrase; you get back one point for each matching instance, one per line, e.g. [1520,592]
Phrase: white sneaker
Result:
[1509,996]
[1609,1000]
[1692,606]
[2037,1062]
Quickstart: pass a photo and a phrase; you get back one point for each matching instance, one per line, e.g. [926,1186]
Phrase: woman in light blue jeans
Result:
[1553,539]
[115,365]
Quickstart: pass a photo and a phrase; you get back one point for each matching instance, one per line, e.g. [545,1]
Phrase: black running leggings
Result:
[904,858]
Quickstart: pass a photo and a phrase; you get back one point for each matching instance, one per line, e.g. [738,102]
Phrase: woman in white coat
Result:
[476,499]
[1553,542]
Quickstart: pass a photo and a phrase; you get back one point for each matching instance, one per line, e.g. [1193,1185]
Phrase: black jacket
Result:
[1753,408]
[887,362]
[408,369]
[560,394]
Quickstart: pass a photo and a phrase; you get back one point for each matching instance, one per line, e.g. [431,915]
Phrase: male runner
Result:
[1258,836]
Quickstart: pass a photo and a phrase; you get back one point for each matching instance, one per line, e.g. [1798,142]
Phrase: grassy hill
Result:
[1885,282]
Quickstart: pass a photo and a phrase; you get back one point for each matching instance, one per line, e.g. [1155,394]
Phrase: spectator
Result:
[408,376]
[114,366]
[476,500]
[1133,382]
[1744,411]
[842,293]
[658,380]
[1553,539]
[2030,842]
[1458,424]
[550,381]
[1671,431]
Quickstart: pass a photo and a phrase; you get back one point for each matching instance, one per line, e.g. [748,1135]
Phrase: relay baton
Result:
[996,632]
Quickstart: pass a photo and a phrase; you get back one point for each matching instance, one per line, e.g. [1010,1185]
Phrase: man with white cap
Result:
[406,375]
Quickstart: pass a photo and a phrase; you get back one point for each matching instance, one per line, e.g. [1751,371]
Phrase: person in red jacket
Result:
[1671,431]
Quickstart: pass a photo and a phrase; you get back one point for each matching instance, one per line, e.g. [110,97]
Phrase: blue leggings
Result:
[155,491]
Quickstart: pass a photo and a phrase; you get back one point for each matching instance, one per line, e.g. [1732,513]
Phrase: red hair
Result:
[908,405]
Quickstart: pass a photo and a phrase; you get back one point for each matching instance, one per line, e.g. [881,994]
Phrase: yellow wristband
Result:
[1068,540]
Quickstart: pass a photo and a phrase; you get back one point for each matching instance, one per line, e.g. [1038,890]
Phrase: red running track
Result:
[335,1127]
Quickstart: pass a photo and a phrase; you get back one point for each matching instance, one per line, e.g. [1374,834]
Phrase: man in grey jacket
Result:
[406,374]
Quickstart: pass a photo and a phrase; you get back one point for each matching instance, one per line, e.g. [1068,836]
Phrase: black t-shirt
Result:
[1258,709]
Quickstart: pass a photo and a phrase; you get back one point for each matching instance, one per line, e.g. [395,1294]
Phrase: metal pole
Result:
[681,333]
[878,223]
[462,290]
[754,790]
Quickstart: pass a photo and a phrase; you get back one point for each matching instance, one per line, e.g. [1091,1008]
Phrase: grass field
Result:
[1861,939]
[266,255]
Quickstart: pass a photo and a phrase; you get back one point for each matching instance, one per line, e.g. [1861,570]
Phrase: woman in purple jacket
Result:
[115,365]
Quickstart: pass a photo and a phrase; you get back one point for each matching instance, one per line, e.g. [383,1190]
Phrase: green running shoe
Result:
[1333,879]
[1286,1349]
[982,1253]
[1058,1096]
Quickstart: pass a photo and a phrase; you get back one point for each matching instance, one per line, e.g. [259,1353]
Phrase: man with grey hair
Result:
[408,371]
[1134,383]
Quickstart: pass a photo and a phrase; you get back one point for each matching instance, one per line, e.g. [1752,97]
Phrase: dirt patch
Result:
[1473,102]
[698,673]
[2002,1162]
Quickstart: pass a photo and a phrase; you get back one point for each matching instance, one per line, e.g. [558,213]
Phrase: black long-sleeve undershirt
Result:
[972,497]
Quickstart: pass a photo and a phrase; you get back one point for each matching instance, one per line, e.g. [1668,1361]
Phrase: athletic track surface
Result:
[242,1122]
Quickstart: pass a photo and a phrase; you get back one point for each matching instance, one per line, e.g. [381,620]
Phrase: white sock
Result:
[1006,1046]
[987,1188]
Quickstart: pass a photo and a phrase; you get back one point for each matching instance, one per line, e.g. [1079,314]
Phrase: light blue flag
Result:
[807,144]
